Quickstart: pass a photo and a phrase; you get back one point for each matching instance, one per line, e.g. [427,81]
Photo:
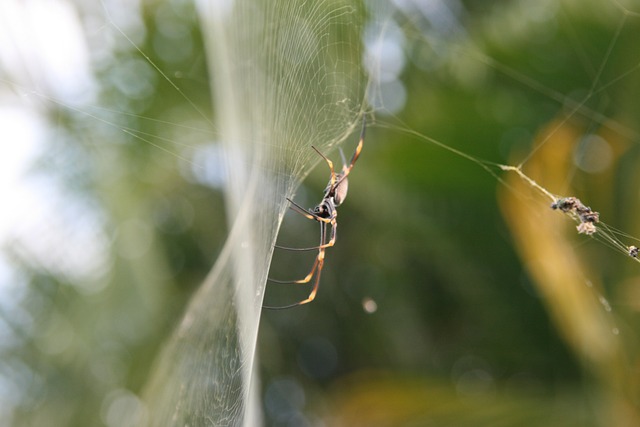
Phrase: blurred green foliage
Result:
[460,336]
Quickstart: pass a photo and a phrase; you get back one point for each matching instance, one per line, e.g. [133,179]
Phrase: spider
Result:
[325,213]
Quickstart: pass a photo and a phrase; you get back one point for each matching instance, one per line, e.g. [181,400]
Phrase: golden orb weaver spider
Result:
[326,214]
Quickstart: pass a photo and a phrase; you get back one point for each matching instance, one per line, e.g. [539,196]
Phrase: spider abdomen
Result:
[340,192]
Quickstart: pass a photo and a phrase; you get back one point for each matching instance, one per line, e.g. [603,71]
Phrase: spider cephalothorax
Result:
[326,209]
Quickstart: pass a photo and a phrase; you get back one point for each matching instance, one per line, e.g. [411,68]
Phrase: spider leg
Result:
[296,207]
[356,153]
[320,248]
[360,140]
[347,169]
[307,278]
[316,270]
[331,242]
[332,180]
[314,289]
[316,283]
[310,215]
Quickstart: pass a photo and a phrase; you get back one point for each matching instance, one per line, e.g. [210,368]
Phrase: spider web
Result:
[288,75]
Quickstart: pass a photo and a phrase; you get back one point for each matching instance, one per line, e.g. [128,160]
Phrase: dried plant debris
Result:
[588,218]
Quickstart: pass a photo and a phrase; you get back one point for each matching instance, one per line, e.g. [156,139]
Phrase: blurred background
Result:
[453,296]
